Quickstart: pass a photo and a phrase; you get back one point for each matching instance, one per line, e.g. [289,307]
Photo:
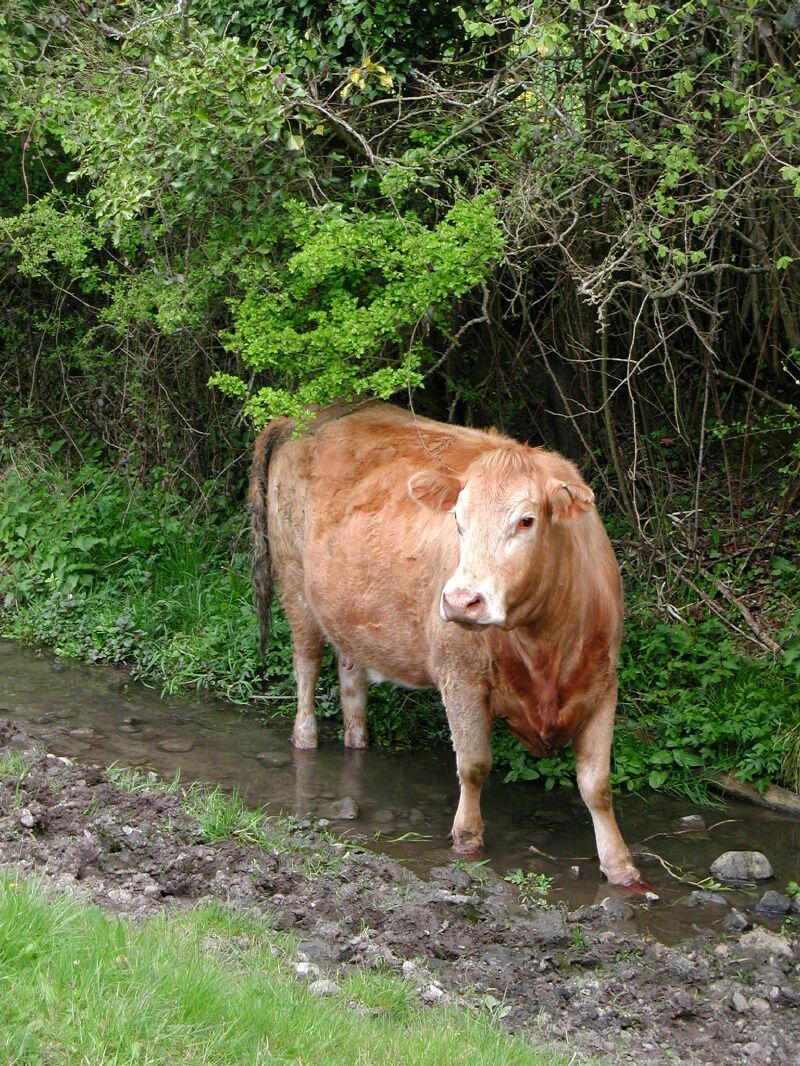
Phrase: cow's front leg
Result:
[592,746]
[470,728]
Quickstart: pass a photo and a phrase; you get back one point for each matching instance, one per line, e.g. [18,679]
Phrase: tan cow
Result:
[433,555]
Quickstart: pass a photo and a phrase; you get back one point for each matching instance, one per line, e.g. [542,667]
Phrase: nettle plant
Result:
[348,310]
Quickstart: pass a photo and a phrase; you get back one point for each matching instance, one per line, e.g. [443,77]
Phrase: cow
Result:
[438,556]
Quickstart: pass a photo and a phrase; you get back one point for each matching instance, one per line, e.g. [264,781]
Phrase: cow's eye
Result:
[525,522]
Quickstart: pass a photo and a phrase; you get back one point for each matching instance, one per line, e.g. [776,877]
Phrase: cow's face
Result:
[501,509]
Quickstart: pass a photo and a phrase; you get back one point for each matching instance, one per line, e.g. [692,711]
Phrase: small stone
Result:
[26,819]
[755,1051]
[762,940]
[383,816]
[344,810]
[618,909]
[690,821]
[83,733]
[652,897]
[324,987]
[176,744]
[128,728]
[759,1005]
[739,1003]
[410,969]
[736,921]
[134,838]
[307,970]
[772,905]
[702,897]
[742,866]
[575,871]
[432,993]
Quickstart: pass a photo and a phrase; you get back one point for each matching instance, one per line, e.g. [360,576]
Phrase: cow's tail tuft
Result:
[261,572]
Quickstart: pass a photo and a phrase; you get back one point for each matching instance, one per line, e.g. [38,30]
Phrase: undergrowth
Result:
[103,567]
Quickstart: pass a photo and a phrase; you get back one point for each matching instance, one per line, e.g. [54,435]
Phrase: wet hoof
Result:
[304,740]
[469,847]
[356,738]
[635,884]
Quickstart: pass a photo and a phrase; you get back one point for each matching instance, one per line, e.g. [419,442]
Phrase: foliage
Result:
[533,888]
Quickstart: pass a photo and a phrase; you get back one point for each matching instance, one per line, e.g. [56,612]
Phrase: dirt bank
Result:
[585,978]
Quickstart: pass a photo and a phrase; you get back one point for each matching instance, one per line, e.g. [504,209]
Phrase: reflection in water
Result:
[95,714]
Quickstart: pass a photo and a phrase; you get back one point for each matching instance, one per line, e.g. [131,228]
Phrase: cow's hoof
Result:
[355,738]
[304,740]
[635,884]
[469,847]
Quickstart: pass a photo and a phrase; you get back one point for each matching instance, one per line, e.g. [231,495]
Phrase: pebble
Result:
[26,819]
[432,993]
[274,759]
[307,970]
[742,866]
[175,744]
[83,732]
[739,1003]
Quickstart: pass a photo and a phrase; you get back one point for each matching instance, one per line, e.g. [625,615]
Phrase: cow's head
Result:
[504,506]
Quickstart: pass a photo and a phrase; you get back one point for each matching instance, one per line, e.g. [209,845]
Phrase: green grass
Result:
[207,987]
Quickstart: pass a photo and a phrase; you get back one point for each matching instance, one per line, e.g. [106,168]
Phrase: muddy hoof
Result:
[469,847]
[356,739]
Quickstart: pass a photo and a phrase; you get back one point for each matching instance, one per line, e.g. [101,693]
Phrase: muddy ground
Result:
[586,980]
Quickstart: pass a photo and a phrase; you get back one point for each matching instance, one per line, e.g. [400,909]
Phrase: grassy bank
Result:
[105,568]
[206,987]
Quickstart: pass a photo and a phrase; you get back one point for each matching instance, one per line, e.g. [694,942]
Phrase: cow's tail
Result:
[261,572]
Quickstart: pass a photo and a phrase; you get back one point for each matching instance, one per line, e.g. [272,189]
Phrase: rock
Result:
[83,733]
[383,816]
[574,871]
[759,1005]
[736,921]
[739,1003]
[344,810]
[618,909]
[432,993]
[307,970]
[452,876]
[701,897]
[26,819]
[762,940]
[772,905]
[652,897]
[127,727]
[690,821]
[324,987]
[134,838]
[550,927]
[176,744]
[742,866]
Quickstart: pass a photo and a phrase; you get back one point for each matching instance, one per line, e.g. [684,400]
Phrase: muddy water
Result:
[405,801]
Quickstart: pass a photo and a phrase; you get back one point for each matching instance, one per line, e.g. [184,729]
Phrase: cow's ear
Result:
[434,489]
[568,500]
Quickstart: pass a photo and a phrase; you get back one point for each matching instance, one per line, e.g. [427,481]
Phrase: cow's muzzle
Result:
[468,606]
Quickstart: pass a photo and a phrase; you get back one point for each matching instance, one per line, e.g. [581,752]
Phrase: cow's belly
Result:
[388,639]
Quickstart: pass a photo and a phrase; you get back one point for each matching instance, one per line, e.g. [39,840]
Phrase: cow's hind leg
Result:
[470,728]
[353,694]
[592,746]
[308,642]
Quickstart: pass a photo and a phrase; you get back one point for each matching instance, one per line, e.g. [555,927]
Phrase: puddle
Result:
[406,801]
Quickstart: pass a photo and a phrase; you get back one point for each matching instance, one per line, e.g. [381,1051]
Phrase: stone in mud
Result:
[618,909]
[739,1003]
[176,744]
[772,905]
[83,733]
[26,819]
[763,941]
[452,876]
[690,821]
[736,921]
[701,897]
[742,866]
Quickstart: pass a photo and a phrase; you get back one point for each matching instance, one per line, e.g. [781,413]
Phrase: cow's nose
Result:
[463,605]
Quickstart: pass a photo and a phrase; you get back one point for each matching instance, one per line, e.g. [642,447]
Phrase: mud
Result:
[586,979]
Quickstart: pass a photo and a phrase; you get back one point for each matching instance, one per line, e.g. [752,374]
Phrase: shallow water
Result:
[406,801]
